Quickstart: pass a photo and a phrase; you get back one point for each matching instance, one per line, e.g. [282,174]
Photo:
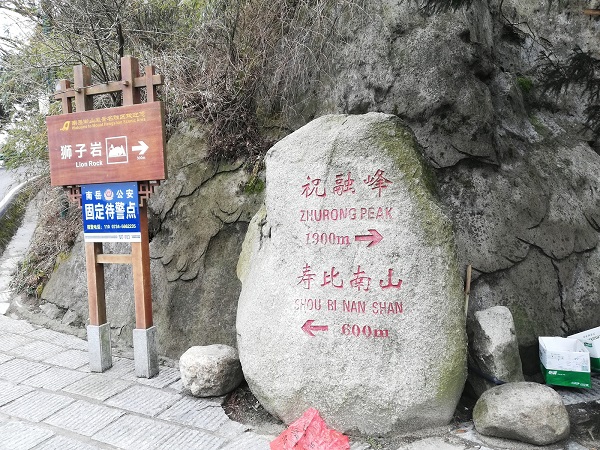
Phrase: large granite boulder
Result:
[352,301]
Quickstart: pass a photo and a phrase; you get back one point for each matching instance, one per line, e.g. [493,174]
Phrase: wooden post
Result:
[130,70]
[67,106]
[140,259]
[150,86]
[468,288]
[95,282]
[140,251]
[82,78]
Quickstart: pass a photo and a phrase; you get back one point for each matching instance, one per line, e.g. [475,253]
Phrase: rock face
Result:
[210,371]
[527,412]
[198,220]
[509,158]
[352,299]
[493,348]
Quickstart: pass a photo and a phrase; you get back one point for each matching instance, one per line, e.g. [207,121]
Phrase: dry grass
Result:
[58,226]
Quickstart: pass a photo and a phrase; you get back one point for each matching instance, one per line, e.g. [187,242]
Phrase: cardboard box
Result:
[591,341]
[565,362]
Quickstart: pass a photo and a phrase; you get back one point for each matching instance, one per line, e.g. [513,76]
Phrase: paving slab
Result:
[36,406]
[191,440]
[232,430]
[22,436]
[54,337]
[177,386]
[122,367]
[249,441]
[9,341]
[55,378]
[4,357]
[69,359]
[97,386]
[37,350]
[84,418]
[572,396]
[18,369]
[196,412]
[134,432]
[436,443]
[165,377]
[11,391]
[64,443]
[362,446]
[144,400]
[15,326]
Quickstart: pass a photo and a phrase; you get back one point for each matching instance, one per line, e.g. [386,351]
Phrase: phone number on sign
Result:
[124,226]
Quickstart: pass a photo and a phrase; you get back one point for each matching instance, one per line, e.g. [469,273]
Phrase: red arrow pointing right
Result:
[374,237]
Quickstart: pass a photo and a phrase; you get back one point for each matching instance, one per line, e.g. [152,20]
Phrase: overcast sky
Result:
[12,25]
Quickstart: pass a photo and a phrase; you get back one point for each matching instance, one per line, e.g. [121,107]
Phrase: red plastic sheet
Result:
[310,432]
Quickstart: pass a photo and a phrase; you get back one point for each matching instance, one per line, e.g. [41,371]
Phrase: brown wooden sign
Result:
[107,145]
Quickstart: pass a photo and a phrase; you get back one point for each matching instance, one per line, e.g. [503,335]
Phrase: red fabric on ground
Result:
[310,432]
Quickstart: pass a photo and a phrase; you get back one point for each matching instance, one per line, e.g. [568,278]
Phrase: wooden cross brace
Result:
[130,84]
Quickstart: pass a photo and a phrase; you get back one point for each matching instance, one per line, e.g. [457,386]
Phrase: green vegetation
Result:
[539,127]
[255,185]
[402,146]
[580,70]
[58,227]
[525,84]
[12,218]
[231,63]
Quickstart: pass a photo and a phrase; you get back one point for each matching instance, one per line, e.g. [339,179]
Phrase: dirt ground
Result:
[243,407]
[585,424]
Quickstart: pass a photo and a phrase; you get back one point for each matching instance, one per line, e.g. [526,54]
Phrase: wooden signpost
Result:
[112,145]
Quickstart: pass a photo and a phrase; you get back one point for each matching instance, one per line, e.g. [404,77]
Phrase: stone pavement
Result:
[50,400]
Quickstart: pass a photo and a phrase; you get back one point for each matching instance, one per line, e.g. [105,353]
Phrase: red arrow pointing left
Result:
[308,327]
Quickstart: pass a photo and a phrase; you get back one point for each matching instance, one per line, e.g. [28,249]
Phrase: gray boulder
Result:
[210,371]
[51,310]
[527,412]
[493,348]
[352,301]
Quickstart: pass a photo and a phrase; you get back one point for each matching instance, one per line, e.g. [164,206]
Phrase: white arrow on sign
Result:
[140,148]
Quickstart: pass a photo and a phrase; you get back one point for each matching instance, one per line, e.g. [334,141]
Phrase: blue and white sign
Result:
[111,212]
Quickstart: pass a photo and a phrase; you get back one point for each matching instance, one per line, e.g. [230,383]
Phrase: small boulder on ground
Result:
[493,349]
[211,370]
[51,310]
[526,412]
